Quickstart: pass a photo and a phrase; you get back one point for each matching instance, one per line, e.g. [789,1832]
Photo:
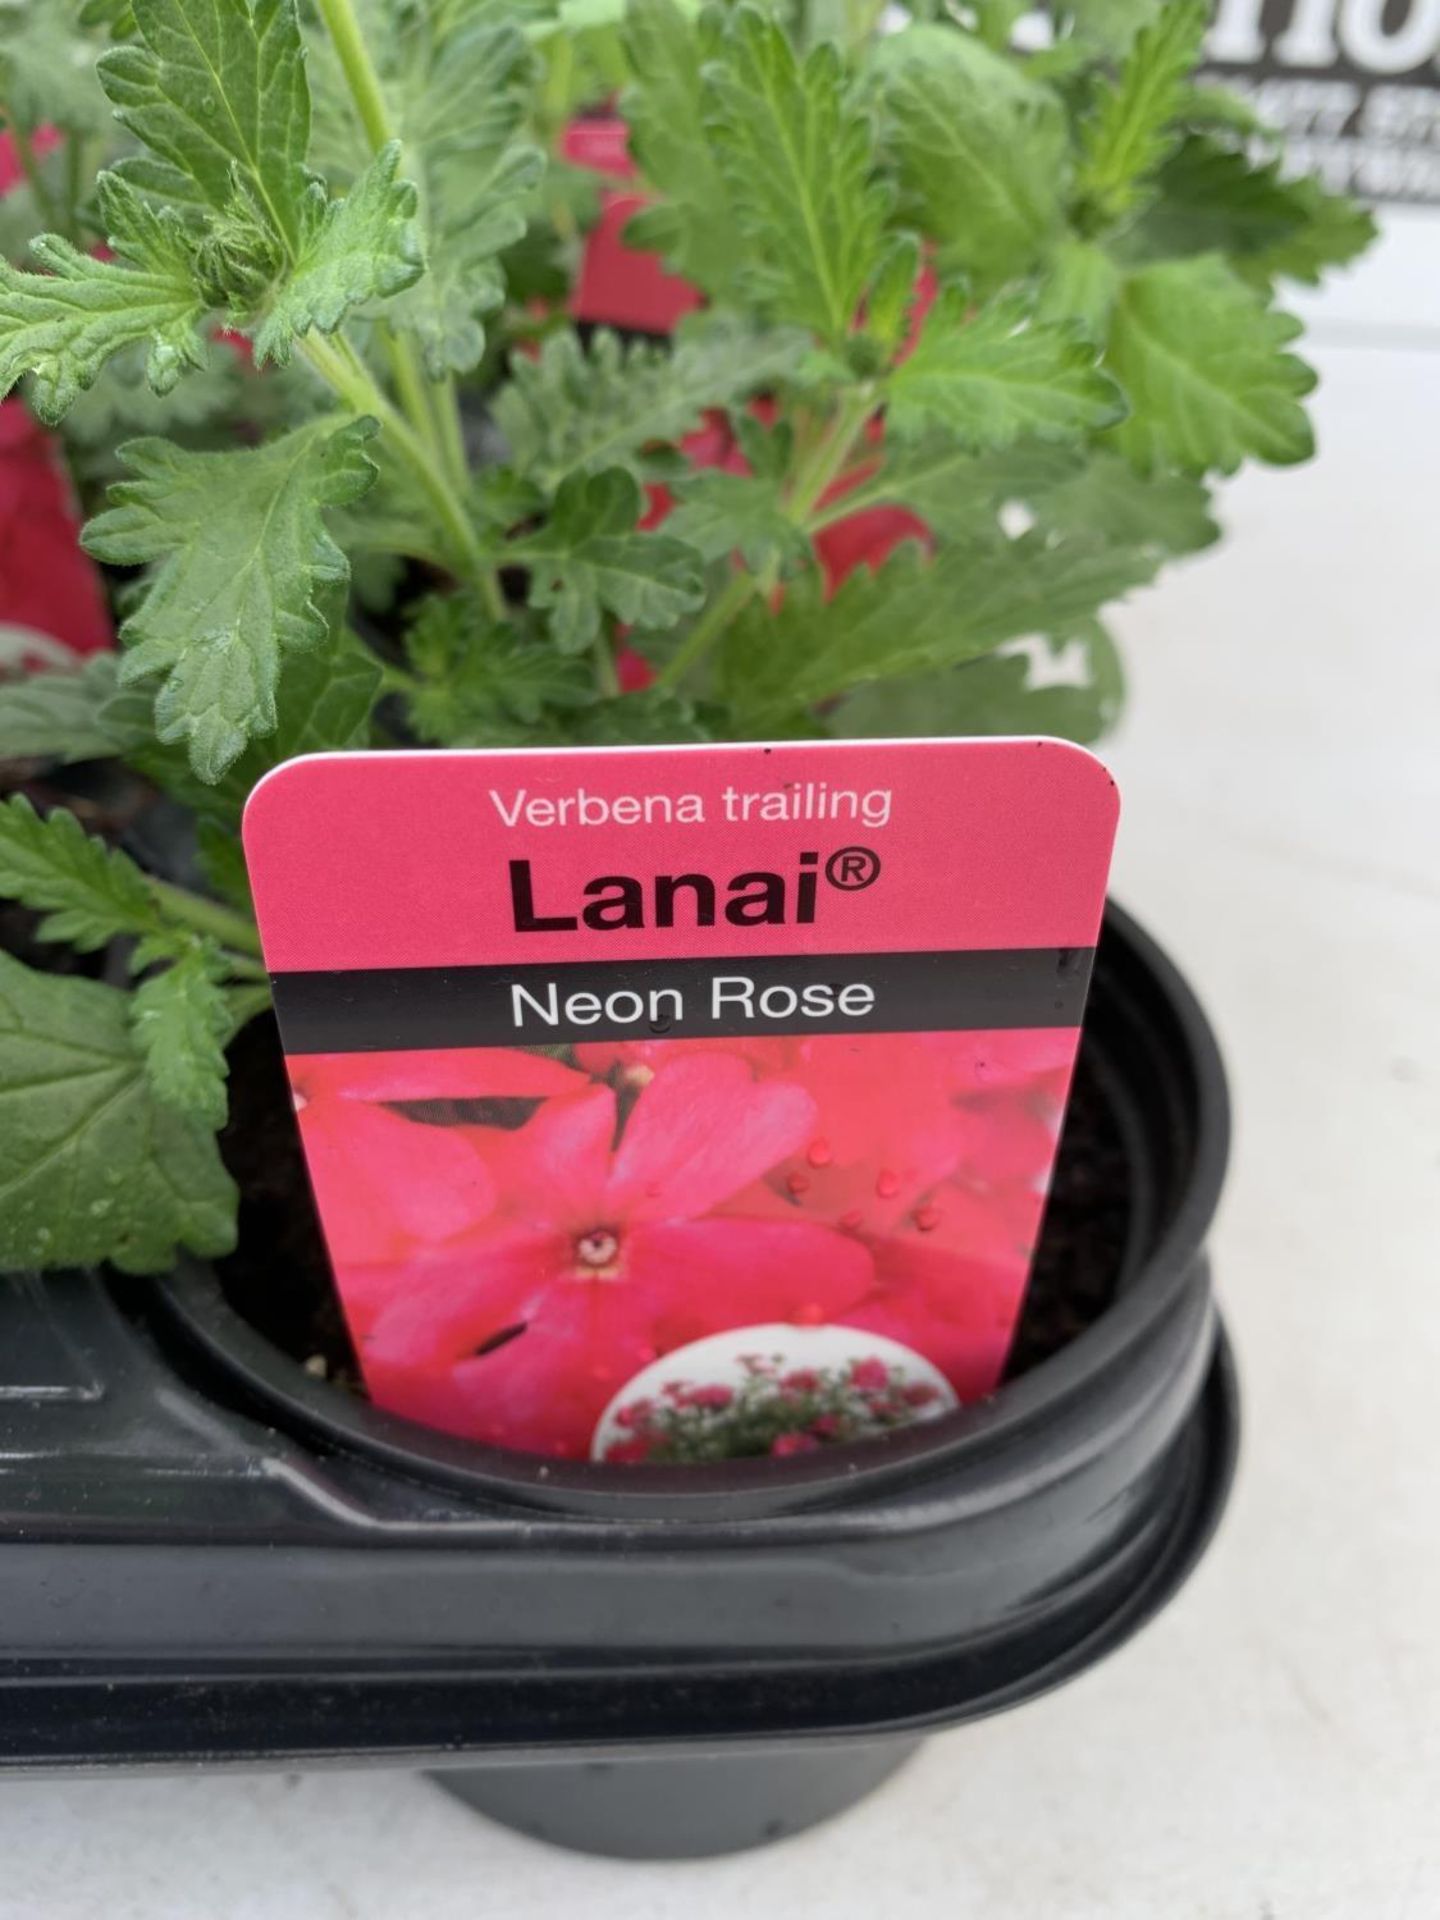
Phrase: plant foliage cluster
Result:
[297,306]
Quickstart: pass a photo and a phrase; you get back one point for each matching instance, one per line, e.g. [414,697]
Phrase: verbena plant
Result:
[409,508]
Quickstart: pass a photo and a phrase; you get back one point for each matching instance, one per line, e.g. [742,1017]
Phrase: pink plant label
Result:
[671,1104]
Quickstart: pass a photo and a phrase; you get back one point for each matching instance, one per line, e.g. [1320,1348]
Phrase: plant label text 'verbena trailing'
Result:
[741,1144]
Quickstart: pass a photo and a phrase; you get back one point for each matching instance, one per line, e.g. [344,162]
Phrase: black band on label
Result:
[409,1008]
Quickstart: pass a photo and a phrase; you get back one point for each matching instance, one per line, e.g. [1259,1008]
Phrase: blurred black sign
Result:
[1354,85]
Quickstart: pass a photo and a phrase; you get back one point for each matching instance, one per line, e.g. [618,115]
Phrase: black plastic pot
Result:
[208,1556]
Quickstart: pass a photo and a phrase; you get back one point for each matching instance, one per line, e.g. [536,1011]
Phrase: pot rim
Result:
[192,1298]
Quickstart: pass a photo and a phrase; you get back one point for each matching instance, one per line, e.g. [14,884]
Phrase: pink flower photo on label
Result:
[518,1234]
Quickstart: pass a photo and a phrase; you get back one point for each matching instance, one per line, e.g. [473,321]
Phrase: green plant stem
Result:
[245,1002]
[825,460]
[411,383]
[341,368]
[363,81]
[225,924]
[727,606]
[605,671]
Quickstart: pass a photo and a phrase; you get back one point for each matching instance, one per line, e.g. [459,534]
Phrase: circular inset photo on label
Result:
[768,1392]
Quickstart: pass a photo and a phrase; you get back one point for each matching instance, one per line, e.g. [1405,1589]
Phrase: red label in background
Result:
[672,1104]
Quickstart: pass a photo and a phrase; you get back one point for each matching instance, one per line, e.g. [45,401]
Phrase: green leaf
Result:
[364,247]
[653,717]
[1110,26]
[325,701]
[1336,231]
[68,714]
[92,1166]
[589,557]
[1166,514]
[181,1025]
[1203,363]
[88,892]
[722,513]
[958,493]
[462,102]
[664,107]
[571,411]
[991,376]
[47,68]
[978,149]
[1132,128]
[64,324]
[1079,287]
[1002,693]
[797,154]
[915,615]
[216,89]
[241,552]
[122,404]
[485,684]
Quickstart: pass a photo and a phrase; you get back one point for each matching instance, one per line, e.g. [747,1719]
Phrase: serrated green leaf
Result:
[181,1025]
[978,149]
[220,854]
[364,247]
[92,1166]
[573,411]
[987,377]
[653,717]
[721,513]
[47,68]
[589,558]
[1132,127]
[958,493]
[1168,514]
[88,892]
[797,154]
[122,404]
[61,326]
[1079,287]
[68,714]
[913,616]
[664,109]
[1202,360]
[482,682]
[241,552]
[216,89]
[1110,26]
[1001,693]
[462,115]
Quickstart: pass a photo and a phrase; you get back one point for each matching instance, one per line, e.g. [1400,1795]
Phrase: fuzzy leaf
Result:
[216,89]
[1168,514]
[797,154]
[664,109]
[89,892]
[241,552]
[1202,360]
[484,684]
[364,247]
[62,325]
[978,149]
[325,701]
[1001,693]
[1132,128]
[722,513]
[92,1166]
[990,377]
[913,616]
[462,102]
[589,557]
[181,1025]
[68,715]
[47,68]
[571,411]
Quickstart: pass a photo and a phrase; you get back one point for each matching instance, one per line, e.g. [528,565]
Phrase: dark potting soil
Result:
[279,1279]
